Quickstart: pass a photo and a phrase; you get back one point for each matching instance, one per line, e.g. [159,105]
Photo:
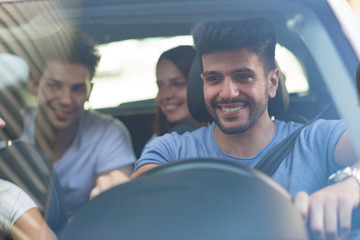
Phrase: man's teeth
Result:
[231,109]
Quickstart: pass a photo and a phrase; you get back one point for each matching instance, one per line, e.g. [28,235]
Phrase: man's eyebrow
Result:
[60,82]
[79,84]
[241,70]
[52,79]
[209,73]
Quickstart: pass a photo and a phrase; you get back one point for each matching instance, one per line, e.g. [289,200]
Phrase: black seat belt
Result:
[272,160]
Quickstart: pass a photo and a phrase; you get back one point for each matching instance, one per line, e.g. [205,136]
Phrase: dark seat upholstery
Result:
[196,103]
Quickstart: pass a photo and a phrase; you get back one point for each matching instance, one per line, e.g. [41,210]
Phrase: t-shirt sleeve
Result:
[116,150]
[159,151]
[338,130]
[14,202]
[326,135]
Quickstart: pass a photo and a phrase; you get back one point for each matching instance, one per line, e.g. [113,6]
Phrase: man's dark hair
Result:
[86,53]
[257,35]
[72,47]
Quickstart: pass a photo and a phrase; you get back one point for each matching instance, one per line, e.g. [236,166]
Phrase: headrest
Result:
[14,73]
[196,102]
[195,93]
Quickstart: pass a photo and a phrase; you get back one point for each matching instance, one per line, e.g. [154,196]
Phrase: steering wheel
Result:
[191,199]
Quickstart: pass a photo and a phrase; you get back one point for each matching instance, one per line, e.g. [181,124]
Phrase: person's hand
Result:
[328,211]
[107,180]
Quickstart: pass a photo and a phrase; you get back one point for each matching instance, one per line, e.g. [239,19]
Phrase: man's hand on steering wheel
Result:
[328,212]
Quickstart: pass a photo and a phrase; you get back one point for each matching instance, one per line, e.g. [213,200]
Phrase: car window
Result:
[295,79]
[130,64]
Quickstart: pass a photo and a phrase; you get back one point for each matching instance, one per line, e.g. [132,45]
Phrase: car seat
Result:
[23,163]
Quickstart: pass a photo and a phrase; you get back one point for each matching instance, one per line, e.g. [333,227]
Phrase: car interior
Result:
[28,28]
[174,183]
[300,106]
[115,26]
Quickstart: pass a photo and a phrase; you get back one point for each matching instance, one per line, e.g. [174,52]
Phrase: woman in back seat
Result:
[172,70]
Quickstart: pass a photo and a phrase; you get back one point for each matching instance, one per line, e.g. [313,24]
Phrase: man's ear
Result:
[33,85]
[273,82]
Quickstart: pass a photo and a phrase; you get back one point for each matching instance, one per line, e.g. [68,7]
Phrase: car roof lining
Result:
[113,21]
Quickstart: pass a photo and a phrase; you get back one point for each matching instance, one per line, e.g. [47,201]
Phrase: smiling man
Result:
[90,152]
[240,75]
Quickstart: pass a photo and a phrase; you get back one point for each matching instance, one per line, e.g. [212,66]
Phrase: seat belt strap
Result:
[272,160]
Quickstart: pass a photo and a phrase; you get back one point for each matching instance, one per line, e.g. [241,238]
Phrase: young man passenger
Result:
[239,77]
[90,152]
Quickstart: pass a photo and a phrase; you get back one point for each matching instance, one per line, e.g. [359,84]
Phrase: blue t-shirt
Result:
[306,168]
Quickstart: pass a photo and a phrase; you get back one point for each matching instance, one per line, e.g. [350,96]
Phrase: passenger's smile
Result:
[171,106]
[60,115]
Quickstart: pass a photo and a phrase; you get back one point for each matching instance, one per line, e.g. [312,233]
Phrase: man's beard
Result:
[250,122]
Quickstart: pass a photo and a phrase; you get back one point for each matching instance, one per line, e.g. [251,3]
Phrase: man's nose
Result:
[229,89]
[65,96]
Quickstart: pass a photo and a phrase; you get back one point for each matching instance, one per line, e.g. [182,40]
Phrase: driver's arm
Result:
[143,169]
[329,210]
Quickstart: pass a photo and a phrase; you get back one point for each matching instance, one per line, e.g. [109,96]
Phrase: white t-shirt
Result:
[102,143]
[14,202]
